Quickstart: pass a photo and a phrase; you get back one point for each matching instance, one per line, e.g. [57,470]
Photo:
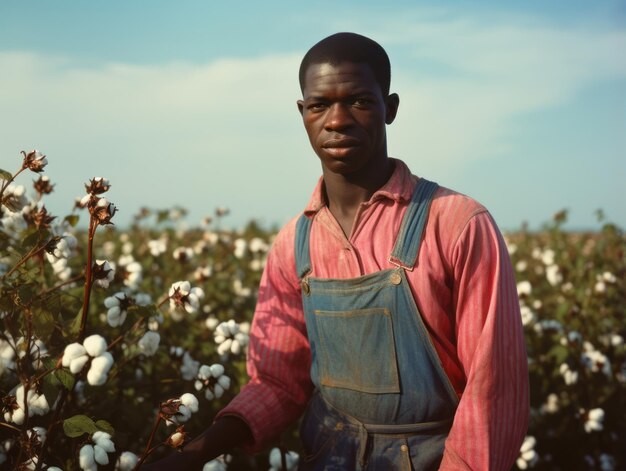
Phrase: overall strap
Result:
[303,257]
[407,244]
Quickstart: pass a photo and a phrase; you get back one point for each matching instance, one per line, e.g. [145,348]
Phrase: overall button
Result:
[395,278]
[305,287]
[404,448]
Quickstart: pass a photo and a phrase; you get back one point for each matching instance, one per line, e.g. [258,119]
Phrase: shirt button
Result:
[395,278]
[404,448]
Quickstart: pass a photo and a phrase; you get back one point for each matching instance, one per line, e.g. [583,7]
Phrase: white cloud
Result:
[227,132]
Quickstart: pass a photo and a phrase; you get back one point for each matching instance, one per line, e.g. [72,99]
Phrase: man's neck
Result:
[345,193]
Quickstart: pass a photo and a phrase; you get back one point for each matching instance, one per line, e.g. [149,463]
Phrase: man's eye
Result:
[361,102]
[316,106]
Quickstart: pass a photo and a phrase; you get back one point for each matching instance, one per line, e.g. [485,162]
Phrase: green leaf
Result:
[44,323]
[5,175]
[74,327]
[105,427]
[65,378]
[72,219]
[77,425]
[50,391]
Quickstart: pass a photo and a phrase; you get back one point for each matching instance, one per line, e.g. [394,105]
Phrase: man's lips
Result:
[344,143]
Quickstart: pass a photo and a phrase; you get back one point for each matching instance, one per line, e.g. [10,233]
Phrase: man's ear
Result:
[300,106]
[391,104]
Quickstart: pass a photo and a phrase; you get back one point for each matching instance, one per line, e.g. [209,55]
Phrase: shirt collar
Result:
[398,188]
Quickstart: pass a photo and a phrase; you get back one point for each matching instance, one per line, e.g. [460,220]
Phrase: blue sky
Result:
[521,105]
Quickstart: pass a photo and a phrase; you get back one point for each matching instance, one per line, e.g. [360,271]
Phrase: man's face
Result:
[344,114]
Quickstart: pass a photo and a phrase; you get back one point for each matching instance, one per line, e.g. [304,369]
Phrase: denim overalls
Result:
[382,400]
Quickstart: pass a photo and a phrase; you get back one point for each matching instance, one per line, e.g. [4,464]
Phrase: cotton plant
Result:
[212,380]
[91,455]
[184,299]
[593,420]
[218,464]
[149,343]
[31,465]
[188,366]
[186,405]
[131,270]
[291,459]
[183,254]
[12,350]
[231,337]
[117,306]
[528,457]
[126,461]
[36,404]
[58,254]
[595,361]
[103,273]
[569,376]
[94,348]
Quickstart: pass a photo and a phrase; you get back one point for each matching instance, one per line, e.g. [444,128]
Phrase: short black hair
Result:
[349,47]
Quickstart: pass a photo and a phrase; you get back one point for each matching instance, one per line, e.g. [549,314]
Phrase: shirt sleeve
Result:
[279,356]
[492,416]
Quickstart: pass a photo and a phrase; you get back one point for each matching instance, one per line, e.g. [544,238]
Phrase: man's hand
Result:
[219,438]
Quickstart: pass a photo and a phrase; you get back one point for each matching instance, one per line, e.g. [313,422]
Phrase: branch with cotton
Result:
[18,401]
[94,348]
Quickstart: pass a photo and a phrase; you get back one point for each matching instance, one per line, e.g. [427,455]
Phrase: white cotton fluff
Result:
[595,420]
[276,462]
[528,456]
[149,343]
[37,405]
[86,458]
[99,370]
[127,461]
[189,368]
[74,357]
[215,465]
[190,401]
[95,345]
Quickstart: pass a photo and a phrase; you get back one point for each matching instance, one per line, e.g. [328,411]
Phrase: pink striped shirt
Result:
[464,287]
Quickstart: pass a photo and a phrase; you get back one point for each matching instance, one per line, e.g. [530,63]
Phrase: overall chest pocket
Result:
[357,351]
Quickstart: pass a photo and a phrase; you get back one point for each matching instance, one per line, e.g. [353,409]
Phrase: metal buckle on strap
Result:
[398,264]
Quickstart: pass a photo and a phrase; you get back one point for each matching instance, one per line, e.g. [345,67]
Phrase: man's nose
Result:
[338,117]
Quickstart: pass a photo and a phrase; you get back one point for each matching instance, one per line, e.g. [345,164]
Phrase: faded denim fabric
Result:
[382,399]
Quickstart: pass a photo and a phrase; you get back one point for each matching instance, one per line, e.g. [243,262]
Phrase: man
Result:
[388,309]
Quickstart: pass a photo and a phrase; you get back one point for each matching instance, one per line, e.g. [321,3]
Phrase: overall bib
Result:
[382,400]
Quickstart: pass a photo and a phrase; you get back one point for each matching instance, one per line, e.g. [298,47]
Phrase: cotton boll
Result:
[190,401]
[149,343]
[86,458]
[100,367]
[217,370]
[95,345]
[77,364]
[100,455]
[103,440]
[127,461]
[224,381]
[72,351]
[224,346]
